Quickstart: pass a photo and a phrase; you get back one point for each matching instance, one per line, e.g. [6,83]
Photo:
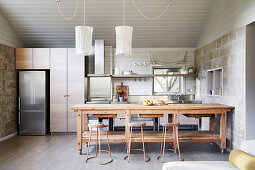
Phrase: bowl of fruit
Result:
[148,103]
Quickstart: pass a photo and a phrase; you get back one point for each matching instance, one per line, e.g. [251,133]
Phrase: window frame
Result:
[167,93]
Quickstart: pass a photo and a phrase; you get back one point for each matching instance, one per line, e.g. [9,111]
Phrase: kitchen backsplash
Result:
[143,56]
[139,63]
[140,99]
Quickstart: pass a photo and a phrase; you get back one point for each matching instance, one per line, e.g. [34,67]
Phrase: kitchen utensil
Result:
[220,91]
[122,98]
[191,70]
[127,72]
[117,71]
[124,91]
[184,71]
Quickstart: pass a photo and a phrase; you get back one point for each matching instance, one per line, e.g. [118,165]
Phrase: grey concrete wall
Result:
[8,91]
[227,52]
[225,16]
[250,82]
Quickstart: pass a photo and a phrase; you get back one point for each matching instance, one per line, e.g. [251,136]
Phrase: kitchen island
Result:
[173,111]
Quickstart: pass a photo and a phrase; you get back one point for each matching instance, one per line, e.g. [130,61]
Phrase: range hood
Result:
[99,60]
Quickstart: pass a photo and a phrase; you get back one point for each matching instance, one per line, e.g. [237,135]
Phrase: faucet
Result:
[174,96]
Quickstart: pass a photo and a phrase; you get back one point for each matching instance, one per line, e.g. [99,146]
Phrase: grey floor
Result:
[59,152]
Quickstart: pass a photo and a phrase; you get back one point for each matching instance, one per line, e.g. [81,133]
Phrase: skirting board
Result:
[7,137]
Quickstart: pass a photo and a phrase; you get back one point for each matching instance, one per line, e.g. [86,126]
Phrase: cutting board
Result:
[124,91]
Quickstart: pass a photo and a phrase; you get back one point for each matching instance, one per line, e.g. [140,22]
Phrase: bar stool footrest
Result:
[146,160]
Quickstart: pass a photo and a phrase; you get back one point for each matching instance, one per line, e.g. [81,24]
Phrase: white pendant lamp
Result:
[83,39]
[124,40]
[124,37]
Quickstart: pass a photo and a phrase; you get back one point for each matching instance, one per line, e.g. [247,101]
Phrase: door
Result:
[32,122]
[32,102]
[75,86]
[58,90]
[32,90]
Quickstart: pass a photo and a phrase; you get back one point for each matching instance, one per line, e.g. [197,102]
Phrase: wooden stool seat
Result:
[105,115]
[97,125]
[151,115]
[136,124]
[170,124]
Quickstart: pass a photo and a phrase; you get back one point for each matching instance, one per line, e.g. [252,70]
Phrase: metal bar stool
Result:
[98,127]
[131,125]
[176,140]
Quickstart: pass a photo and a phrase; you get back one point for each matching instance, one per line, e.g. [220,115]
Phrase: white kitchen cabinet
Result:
[58,90]
[67,88]
[75,86]
[24,58]
[41,58]
[32,58]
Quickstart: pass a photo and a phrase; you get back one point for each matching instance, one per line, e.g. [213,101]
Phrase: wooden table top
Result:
[154,107]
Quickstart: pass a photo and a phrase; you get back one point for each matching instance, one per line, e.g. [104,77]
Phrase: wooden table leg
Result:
[212,122]
[79,130]
[170,120]
[223,128]
[127,129]
[176,116]
[86,122]
[175,119]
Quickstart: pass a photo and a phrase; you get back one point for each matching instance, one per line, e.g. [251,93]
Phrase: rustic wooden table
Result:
[173,111]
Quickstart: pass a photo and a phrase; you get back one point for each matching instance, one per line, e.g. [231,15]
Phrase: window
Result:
[166,84]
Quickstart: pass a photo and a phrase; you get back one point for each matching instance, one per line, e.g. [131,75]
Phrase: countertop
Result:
[140,106]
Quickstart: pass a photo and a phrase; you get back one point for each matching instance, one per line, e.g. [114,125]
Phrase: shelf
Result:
[214,82]
[156,136]
[152,75]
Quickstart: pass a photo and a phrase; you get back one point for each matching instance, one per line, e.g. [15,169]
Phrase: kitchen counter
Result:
[173,111]
[140,106]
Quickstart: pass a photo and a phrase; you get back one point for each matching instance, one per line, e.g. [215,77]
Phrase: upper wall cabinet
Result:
[32,58]
[41,58]
[24,58]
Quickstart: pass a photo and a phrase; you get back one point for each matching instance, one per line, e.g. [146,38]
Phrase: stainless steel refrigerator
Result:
[32,104]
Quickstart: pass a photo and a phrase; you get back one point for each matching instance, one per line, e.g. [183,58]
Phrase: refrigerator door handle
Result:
[19,117]
[19,103]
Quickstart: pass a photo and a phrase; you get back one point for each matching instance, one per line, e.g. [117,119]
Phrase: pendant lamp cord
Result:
[124,12]
[151,18]
[66,18]
[84,14]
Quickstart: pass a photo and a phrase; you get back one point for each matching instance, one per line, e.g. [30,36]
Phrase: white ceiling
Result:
[39,24]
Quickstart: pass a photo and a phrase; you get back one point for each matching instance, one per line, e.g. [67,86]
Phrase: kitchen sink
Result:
[182,99]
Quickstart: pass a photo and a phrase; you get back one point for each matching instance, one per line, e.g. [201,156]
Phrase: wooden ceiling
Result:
[39,24]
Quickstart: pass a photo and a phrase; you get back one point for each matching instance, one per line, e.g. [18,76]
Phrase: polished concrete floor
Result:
[59,152]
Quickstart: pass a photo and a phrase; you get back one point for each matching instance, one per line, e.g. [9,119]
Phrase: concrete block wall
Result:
[227,52]
[8,91]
